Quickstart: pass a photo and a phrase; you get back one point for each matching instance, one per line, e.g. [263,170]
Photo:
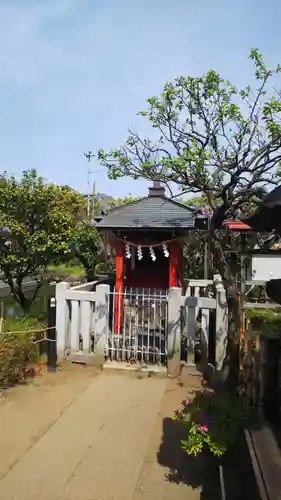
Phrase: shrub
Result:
[18,349]
[213,423]
[24,323]
[265,320]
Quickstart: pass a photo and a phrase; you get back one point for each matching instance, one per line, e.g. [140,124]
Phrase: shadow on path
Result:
[203,472]
[194,472]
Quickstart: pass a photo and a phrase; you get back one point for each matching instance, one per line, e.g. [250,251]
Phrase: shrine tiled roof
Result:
[148,213]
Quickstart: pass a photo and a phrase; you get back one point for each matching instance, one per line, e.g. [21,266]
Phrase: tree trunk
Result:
[18,293]
[231,362]
[228,271]
[90,276]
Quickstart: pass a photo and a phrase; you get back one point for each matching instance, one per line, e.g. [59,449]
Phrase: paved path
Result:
[165,473]
[95,450]
[103,447]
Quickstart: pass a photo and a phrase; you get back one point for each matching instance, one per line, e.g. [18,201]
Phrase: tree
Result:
[215,140]
[117,202]
[87,248]
[40,219]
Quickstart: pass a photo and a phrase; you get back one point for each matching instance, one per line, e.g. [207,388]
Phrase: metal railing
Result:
[137,332]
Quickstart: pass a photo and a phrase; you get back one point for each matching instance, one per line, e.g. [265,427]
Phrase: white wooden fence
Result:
[83,319]
[201,297]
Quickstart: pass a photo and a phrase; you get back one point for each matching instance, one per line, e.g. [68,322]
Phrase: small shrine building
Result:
[147,236]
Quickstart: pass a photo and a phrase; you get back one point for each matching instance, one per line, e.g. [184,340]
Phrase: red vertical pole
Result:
[119,289]
[175,265]
[172,265]
[180,263]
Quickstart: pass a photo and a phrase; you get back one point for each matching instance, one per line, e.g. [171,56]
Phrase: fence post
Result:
[192,311]
[52,336]
[62,318]
[174,331]
[101,323]
[221,321]
[204,337]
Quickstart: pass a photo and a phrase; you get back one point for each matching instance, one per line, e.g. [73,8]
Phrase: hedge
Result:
[18,348]
[265,321]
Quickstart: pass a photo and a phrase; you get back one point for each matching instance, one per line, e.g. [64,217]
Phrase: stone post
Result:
[174,331]
[62,319]
[101,323]
[192,312]
[221,321]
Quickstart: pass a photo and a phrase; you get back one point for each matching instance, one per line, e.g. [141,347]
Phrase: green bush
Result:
[67,270]
[23,323]
[213,423]
[265,320]
[18,350]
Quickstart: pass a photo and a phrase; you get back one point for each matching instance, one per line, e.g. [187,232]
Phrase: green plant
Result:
[39,220]
[66,270]
[265,320]
[210,138]
[17,352]
[213,423]
[24,324]
[86,245]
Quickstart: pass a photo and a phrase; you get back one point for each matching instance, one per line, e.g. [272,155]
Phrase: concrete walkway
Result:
[95,451]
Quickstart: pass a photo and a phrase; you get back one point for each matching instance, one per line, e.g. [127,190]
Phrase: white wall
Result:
[265,267]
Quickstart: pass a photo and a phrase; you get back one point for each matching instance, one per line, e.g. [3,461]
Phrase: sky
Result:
[75,73]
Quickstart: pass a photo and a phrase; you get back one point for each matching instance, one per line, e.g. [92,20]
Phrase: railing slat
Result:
[261,305]
[205,325]
[80,295]
[74,325]
[86,315]
[202,302]
[191,329]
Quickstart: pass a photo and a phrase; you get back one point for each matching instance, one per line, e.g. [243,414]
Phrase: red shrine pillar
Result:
[175,264]
[119,288]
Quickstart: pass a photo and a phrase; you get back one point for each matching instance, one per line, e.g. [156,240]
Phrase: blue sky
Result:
[74,73]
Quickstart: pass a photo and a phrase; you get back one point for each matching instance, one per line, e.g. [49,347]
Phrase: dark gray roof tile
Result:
[150,212]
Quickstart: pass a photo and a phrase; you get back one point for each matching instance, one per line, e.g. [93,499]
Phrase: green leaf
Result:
[41,217]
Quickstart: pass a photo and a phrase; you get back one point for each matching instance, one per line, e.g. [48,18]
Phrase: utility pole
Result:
[94,199]
[206,257]
[89,155]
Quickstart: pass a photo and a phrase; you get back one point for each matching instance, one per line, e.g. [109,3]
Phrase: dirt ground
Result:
[29,410]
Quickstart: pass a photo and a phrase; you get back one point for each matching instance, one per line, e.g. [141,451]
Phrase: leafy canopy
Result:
[218,141]
[40,218]
[87,247]
[213,139]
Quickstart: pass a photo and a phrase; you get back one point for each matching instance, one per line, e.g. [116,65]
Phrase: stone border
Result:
[266,459]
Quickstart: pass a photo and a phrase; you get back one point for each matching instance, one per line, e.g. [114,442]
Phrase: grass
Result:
[23,323]
[66,270]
